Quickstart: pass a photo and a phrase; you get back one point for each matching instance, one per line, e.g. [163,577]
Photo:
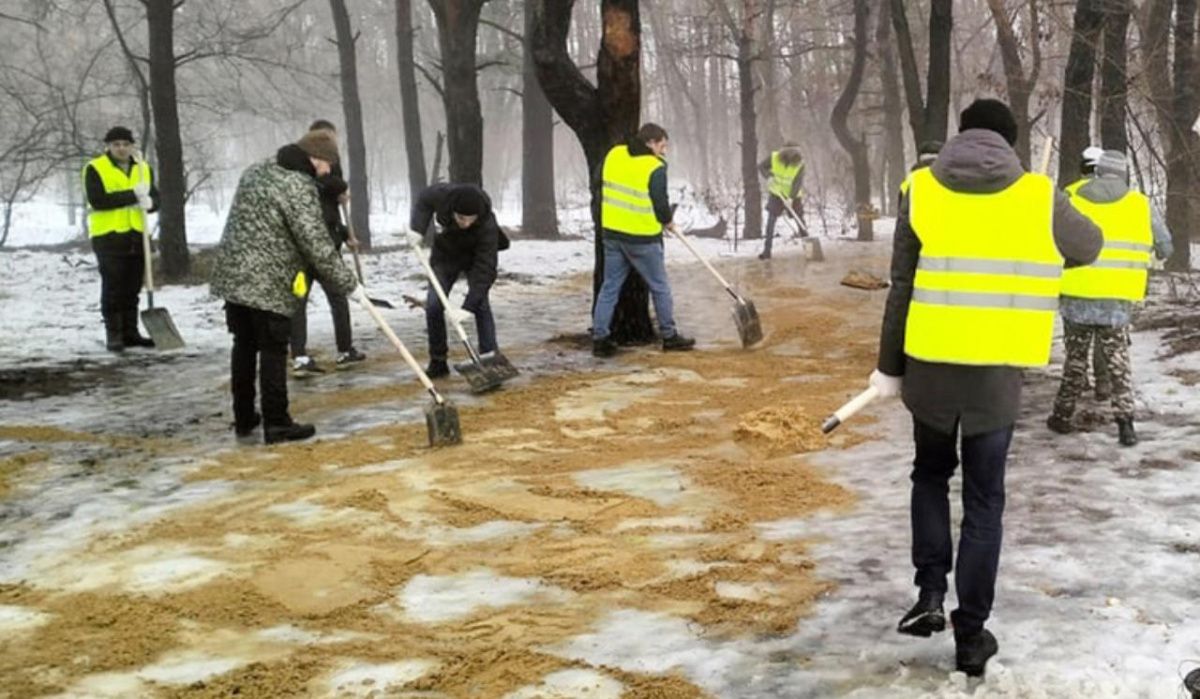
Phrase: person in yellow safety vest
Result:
[784,170]
[120,192]
[978,253]
[1087,171]
[1097,300]
[634,210]
[927,152]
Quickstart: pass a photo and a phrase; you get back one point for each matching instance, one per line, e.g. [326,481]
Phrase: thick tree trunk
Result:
[857,148]
[751,190]
[458,26]
[937,101]
[772,129]
[360,192]
[600,116]
[539,215]
[414,147]
[892,106]
[1077,89]
[1020,88]
[172,186]
[1114,77]
[1181,169]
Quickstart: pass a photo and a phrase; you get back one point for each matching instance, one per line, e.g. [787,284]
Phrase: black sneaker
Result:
[678,343]
[273,434]
[1126,435]
[350,356]
[764,255]
[248,429]
[1058,423]
[605,347]
[304,365]
[925,618]
[137,341]
[437,369]
[972,652]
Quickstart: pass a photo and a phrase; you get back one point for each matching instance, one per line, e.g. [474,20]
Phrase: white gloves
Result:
[145,202]
[459,316]
[888,386]
[359,295]
[141,189]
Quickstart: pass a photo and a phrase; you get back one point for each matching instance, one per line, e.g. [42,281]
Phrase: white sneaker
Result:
[305,366]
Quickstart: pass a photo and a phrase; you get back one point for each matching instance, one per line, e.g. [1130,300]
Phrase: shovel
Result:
[382,303]
[813,248]
[441,417]
[848,410]
[483,373]
[744,314]
[157,320]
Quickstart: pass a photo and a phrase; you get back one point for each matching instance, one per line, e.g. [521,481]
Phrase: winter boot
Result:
[438,368]
[926,617]
[971,652]
[1126,435]
[604,347]
[291,432]
[678,343]
[113,341]
[350,356]
[1058,423]
[129,331]
[243,431]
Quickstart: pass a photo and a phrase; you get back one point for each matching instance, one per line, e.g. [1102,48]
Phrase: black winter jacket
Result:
[472,251]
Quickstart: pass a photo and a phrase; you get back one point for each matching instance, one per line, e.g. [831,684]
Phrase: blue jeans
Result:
[983,459]
[435,318]
[648,260]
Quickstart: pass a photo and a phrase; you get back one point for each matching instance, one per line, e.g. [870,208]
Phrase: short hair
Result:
[651,132]
[322,124]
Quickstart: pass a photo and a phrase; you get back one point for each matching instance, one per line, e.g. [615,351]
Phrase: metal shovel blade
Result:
[748,325]
[492,370]
[441,420]
[815,252]
[162,329]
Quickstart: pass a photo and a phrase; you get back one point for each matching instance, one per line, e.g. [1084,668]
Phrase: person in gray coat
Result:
[980,403]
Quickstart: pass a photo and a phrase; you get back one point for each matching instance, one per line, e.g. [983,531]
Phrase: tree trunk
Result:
[360,192]
[1019,87]
[751,191]
[172,187]
[1113,77]
[937,101]
[892,106]
[458,26]
[841,111]
[539,215]
[772,129]
[1181,172]
[1077,89]
[410,105]
[600,116]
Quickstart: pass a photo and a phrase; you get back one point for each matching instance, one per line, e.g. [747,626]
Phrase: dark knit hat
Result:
[321,145]
[992,115]
[466,200]
[119,133]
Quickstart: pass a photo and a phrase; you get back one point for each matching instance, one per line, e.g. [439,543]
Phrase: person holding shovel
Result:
[784,170]
[333,192]
[467,244]
[977,260]
[273,236]
[120,191]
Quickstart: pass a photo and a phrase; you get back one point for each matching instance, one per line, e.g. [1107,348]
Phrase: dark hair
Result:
[992,115]
[790,154]
[322,124]
[651,132]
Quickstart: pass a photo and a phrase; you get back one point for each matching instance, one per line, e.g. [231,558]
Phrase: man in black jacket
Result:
[466,244]
[333,192]
[976,389]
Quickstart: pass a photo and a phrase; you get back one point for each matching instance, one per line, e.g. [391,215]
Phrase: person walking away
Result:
[784,170]
[274,234]
[978,253]
[333,192]
[1097,299]
[120,192]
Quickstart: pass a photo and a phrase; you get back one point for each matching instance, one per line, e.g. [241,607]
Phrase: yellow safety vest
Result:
[126,218]
[782,177]
[904,185]
[625,205]
[987,283]
[1120,272]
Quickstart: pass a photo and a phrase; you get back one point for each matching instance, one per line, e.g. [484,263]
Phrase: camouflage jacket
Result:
[275,231]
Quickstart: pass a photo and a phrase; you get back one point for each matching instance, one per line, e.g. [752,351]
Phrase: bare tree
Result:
[740,22]
[1020,86]
[857,148]
[360,191]
[458,27]
[1077,88]
[1114,78]
[410,105]
[928,117]
[539,215]
[892,107]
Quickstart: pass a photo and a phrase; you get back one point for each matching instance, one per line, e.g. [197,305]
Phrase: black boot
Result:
[1125,432]
[129,331]
[113,341]
[291,432]
[604,347]
[926,617]
[1058,423]
[971,652]
[438,368]
[678,343]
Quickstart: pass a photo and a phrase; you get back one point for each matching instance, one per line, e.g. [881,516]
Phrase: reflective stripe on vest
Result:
[987,282]
[126,218]
[782,176]
[625,205]
[1120,272]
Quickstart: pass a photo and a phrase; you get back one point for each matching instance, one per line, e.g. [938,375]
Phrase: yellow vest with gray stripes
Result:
[1121,270]
[987,283]
[126,218]
[783,176]
[625,205]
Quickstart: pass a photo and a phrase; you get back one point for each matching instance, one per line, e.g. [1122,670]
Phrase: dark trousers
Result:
[260,344]
[983,459]
[775,210]
[119,257]
[339,308]
[435,318]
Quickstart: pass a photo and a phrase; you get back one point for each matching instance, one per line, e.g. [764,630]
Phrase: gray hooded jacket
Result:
[981,398]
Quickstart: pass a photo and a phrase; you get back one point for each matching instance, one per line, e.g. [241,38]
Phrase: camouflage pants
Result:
[1112,347]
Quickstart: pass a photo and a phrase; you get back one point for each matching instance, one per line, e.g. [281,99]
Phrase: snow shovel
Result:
[848,410]
[483,373]
[382,303]
[157,320]
[744,314]
[815,253]
[441,417]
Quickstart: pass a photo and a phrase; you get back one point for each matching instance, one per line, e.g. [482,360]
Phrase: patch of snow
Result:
[661,483]
[358,678]
[571,684]
[434,599]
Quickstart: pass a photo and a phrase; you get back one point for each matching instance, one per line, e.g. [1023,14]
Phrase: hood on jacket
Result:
[461,192]
[292,157]
[1111,180]
[977,161]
